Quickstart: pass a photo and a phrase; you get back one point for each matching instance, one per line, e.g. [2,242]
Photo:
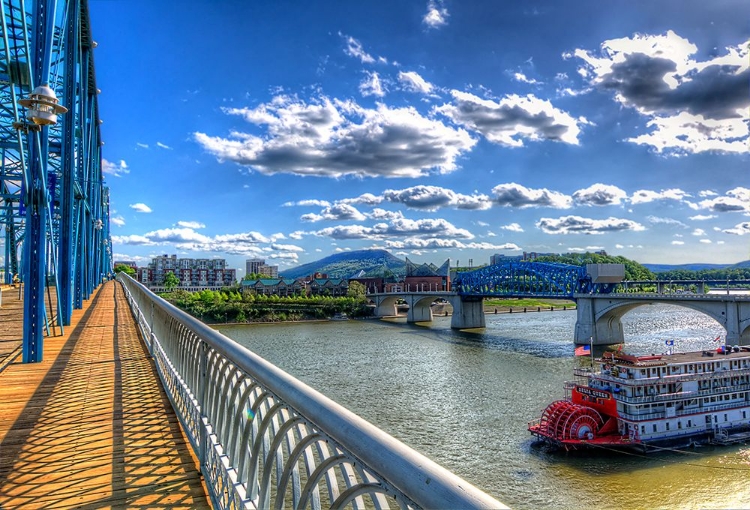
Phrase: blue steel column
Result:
[67,200]
[35,242]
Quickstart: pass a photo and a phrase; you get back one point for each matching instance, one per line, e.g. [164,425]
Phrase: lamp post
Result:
[42,110]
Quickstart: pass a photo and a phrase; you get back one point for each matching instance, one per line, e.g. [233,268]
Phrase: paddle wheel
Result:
[563,420]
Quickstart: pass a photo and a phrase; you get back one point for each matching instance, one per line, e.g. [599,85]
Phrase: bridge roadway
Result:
[598,315]
[90,426]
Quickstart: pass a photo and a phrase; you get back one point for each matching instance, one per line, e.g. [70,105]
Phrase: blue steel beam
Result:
[51,186]
[519,279]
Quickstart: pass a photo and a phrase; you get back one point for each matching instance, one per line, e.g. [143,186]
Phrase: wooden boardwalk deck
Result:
[90,426]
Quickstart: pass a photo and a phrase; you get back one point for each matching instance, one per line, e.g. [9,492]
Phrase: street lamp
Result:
[43,106]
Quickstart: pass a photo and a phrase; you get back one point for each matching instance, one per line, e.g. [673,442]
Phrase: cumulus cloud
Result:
[739,230]
[115,169]
[336,212]
[383,215]
[579,225]
[600,195]
[645,196]
[513,119]
[702,217]
[372,85]
[678,243]
[436,15]
[413,82]
[699,232]
[364,199]
[441,243]
[515,195]
[518,76]
[117,220]
[693,106]
[432,198]
[335,138]
[190,224]
[397,227]
[735,200]
[140,207]
[307,203]
[512,227]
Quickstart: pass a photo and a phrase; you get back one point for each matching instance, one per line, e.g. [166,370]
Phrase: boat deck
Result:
[90,426]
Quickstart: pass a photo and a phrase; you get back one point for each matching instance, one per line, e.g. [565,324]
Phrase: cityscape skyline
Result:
[432,129]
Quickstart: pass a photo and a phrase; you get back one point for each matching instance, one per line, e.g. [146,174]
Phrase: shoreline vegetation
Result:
[229,306]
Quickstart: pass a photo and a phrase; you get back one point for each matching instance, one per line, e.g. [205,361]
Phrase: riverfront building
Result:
[194,274]
[259,266]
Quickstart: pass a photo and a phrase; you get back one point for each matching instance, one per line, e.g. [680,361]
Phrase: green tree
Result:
[170,281]
[122,268]
[356,290]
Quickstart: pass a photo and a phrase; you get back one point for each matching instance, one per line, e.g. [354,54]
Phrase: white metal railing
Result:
[265,439]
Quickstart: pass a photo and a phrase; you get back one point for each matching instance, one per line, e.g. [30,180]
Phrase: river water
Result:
[464,399]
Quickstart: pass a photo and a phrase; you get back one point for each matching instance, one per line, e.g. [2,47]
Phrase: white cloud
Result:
[140,207]
[336,212]
[115,169]
[436,15]
[372,85]
[705,241]
[739,230]
[117,220]
[413,82]
[163,146]
[337,138]
[513,119]
[735,200]
[702,217]
[512,227]
[645,196]
[692,106]
[432,198]
[364,199]
[141,145]
[579,225]
[354,49]
[307,203]
[655,220]
[699,232]
[516,195]
[518,76]
[600,195]
[190,224]
[678,243]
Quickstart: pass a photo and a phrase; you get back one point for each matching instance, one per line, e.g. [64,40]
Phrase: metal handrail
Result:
[265,439]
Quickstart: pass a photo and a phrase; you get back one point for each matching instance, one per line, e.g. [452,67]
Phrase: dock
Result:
[90,426]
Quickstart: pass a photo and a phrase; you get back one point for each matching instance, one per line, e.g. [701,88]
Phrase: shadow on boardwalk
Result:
[90,426]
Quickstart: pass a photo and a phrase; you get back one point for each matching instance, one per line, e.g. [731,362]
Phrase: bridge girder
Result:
[51,184]
[524,279]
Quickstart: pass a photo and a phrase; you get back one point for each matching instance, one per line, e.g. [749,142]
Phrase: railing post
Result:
[202,386]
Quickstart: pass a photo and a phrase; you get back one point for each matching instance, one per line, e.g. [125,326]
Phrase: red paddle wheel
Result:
[563,420]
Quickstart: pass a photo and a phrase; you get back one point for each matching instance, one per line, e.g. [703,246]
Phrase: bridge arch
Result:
[599,318]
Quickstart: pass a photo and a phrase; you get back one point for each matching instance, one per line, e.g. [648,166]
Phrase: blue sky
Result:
[435,129]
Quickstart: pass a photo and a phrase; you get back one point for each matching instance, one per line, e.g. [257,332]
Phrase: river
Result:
[464,399]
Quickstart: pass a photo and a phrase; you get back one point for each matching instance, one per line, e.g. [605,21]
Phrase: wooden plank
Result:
[89,426]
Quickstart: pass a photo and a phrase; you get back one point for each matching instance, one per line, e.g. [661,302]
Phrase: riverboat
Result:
[651,402]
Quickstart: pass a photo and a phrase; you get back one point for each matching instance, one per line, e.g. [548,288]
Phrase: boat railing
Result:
[263,439]
[707,408]
[640,381]
[660,397]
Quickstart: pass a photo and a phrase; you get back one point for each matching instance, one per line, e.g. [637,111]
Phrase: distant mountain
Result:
[740,265]
[662,268]
[346,264]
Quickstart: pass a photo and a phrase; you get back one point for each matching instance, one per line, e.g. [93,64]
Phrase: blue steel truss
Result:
[527,279]
[54,207]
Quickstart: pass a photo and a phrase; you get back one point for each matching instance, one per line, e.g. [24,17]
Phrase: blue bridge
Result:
[529,279]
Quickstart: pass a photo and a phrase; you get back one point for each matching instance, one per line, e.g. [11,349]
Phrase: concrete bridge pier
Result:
[419,312]
[468,313]
[601,332]
[386,308]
